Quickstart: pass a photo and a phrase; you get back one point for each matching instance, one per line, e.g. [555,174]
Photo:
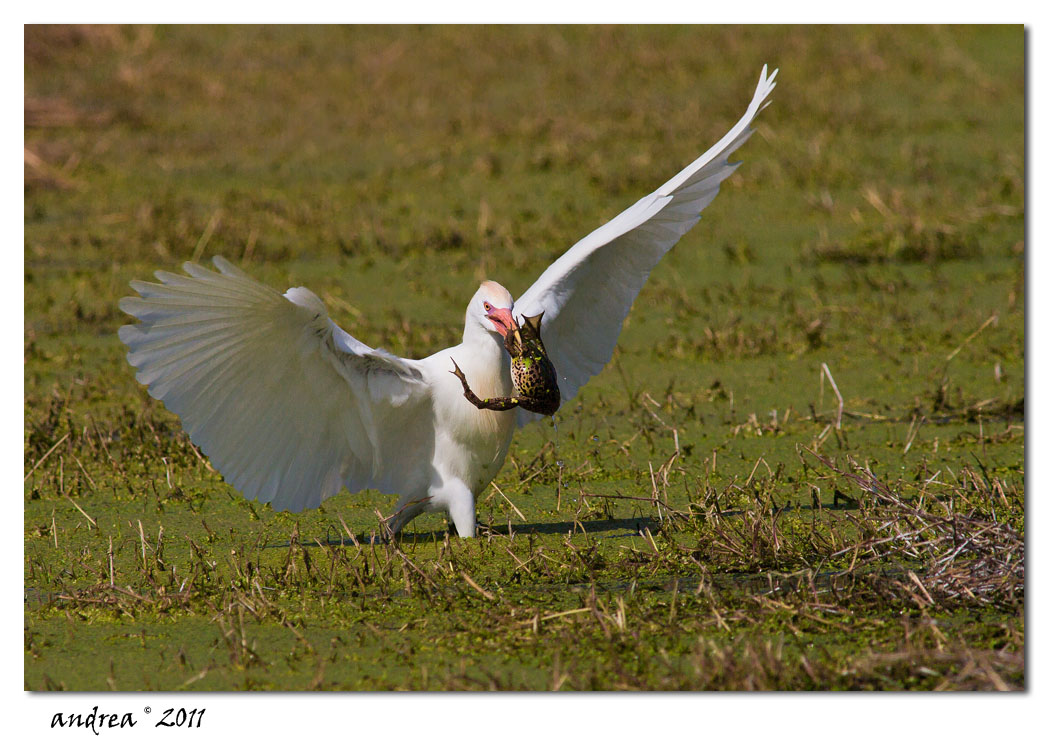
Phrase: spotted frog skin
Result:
[533,375]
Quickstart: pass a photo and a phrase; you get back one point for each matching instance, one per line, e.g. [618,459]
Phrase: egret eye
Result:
[487,306]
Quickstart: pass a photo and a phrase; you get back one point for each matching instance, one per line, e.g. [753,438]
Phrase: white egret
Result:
[290,408]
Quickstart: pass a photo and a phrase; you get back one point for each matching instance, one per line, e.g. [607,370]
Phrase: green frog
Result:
[533,375]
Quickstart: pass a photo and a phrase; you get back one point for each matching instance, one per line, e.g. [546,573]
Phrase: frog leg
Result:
[490,404]
[544,406]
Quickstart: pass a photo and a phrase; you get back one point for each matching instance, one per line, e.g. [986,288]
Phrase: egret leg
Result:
[408,510]
[461,505]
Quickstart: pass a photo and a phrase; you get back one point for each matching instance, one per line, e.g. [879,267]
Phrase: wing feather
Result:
[587,293]
[288,406]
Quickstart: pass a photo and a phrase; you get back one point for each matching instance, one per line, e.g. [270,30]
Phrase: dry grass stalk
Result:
[837,394]
[966,556]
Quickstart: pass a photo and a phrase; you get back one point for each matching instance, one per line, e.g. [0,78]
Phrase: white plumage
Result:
[290,408]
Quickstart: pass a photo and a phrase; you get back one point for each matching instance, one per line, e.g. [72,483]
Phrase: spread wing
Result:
[287,406]
[586,294]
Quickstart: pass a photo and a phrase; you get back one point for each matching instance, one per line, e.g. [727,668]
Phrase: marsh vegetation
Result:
[804,468]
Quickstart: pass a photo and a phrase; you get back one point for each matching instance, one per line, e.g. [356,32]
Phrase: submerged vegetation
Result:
[803,469]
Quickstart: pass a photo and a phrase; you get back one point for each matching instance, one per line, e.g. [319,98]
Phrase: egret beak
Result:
[502,320]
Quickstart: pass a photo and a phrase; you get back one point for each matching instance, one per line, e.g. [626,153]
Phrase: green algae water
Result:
[721,525]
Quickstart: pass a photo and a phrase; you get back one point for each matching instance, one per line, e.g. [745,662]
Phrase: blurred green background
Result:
[877,226]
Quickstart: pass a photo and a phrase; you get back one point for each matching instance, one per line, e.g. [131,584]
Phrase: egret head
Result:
[491,308]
